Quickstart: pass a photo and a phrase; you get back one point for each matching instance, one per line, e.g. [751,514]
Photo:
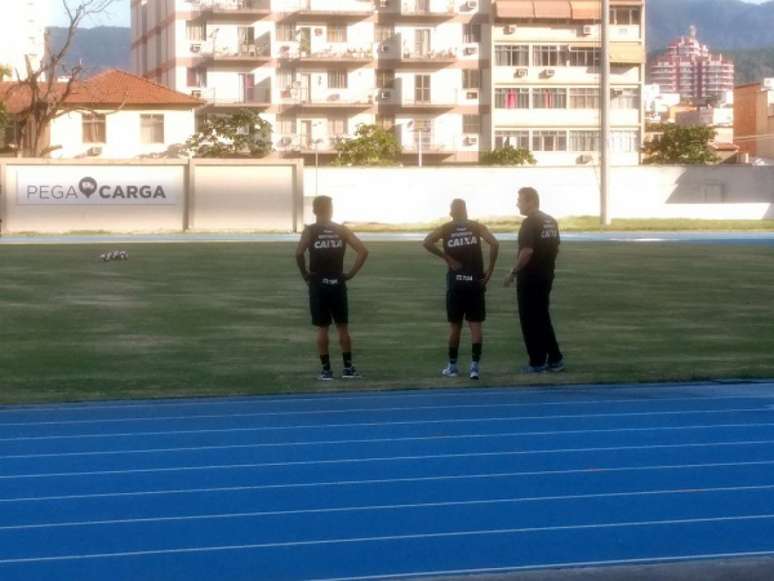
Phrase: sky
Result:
[119,13]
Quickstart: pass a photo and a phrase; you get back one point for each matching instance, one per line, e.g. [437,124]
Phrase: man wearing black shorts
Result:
[534,272]
[326,242]
[465,281]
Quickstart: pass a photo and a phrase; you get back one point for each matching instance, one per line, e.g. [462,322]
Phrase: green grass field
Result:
[215,319]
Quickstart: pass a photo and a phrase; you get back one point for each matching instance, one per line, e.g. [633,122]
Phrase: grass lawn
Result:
[214,319]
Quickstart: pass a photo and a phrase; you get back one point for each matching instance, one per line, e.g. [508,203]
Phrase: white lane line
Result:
[559,565]
[416,479]
[379,424]
[387,507]
[386,410]
[376,459]
[490,436]
[387,538]
[383,394]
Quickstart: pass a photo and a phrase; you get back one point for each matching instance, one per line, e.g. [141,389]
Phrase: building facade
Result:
[451,78]
[22,35]
[690,69]
[754,119]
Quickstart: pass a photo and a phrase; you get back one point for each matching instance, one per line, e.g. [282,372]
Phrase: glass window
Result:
[549,141]
[549,98]
[384,32]
[337,33]
[337,127]
[583,141]
[584,98]
[549,55]
[286,32]
[625,141]
[195,31]
[471,79]
[284,79]
[625,98]
[471,124]
[625,15]
[581,56]
[337,79]
[197,77]
[94,128]
[422,88]
[509,55]
[286,125]
[151,129]
[385,79]
[507,98]
[471,33]
[515,139]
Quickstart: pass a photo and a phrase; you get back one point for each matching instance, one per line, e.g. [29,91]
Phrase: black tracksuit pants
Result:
[534,298]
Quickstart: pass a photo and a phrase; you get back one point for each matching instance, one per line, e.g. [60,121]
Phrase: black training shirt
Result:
[462,241]
[326,249]
[540,232]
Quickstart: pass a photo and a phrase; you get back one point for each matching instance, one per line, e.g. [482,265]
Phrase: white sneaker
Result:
[475,371]
[451,370]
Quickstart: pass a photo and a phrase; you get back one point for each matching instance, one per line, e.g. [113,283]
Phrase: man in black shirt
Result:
[465,281]
[534,271]
[327,243]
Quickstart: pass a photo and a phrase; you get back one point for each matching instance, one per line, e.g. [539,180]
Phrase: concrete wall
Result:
[159,196]
[412,195]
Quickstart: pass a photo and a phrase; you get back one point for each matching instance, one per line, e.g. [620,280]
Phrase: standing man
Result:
[534,272]
[465,282]
[327,243]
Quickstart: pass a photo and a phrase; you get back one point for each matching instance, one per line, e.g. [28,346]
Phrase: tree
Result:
[508,155]
[372,146]
[681,146]
[241,134]
[43,90]
[5,71]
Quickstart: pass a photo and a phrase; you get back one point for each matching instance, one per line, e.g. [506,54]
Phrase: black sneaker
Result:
[530,369]
[350,373]
[325,375]
[556,367]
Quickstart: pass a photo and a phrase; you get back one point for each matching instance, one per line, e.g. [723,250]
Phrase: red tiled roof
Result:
[112,88]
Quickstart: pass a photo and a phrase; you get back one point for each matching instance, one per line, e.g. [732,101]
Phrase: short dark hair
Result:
[530,195]
[321,204]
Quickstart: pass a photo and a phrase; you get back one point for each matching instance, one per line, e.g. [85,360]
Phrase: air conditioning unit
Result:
[197,94]
[469,50]
[584,159]
[385,95]
[471,95]
[548,73]
[520,73]
[470,140]
[587,30]
[196,47]
[509,29]
[470,5]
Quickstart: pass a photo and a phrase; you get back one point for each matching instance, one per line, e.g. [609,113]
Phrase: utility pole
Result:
[604,137]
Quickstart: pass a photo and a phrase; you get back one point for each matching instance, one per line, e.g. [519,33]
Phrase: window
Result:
[246,36]
[625,15]
[471,79]
[422,41]
[195,31]
[384,32]
[549,98]
[337,33]
[337,127]
[286,125]
[515,139]
[337,79]
[286,33]
[94,130]
[509,55]
[385,79]
[284,79]
[583,57]
[151,129]
[471,124]
[511,98]
[625,99]
[582,141]
[471,33]
[549,56]
[197,77]
[625,141]
[549,141]
[423,130]
[422,88]
[584,98]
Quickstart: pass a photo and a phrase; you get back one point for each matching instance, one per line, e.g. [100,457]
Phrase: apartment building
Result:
[689,68]
[452,78]
[754,120]
[22,35]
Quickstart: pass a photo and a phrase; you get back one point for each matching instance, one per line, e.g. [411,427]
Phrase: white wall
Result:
[411,195]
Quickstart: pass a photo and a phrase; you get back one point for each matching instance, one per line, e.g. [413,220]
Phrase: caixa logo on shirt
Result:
[88,189]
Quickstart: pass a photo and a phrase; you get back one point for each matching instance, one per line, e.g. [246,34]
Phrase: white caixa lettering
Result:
[328,244]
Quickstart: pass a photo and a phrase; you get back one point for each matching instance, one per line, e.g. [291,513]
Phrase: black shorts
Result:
[466,303]
[328,302]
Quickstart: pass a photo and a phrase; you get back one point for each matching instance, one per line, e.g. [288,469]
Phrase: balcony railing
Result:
[333,98]
[330,53]
[308,144]
[433,99]
[234,6]
[259,96]
[429,8]
[243,52]
[343,7]
[414,55]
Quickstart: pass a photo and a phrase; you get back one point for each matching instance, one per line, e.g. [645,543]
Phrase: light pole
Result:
[604,138]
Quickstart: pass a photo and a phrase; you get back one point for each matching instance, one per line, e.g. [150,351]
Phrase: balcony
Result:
[246,53]
[306,144]
[298,98]
[247,9]
[248,98]
[416,56]
[328,55]
[427,10]
[427,100]
[327,9]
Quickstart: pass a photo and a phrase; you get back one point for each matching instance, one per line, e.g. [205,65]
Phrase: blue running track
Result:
[375,485]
